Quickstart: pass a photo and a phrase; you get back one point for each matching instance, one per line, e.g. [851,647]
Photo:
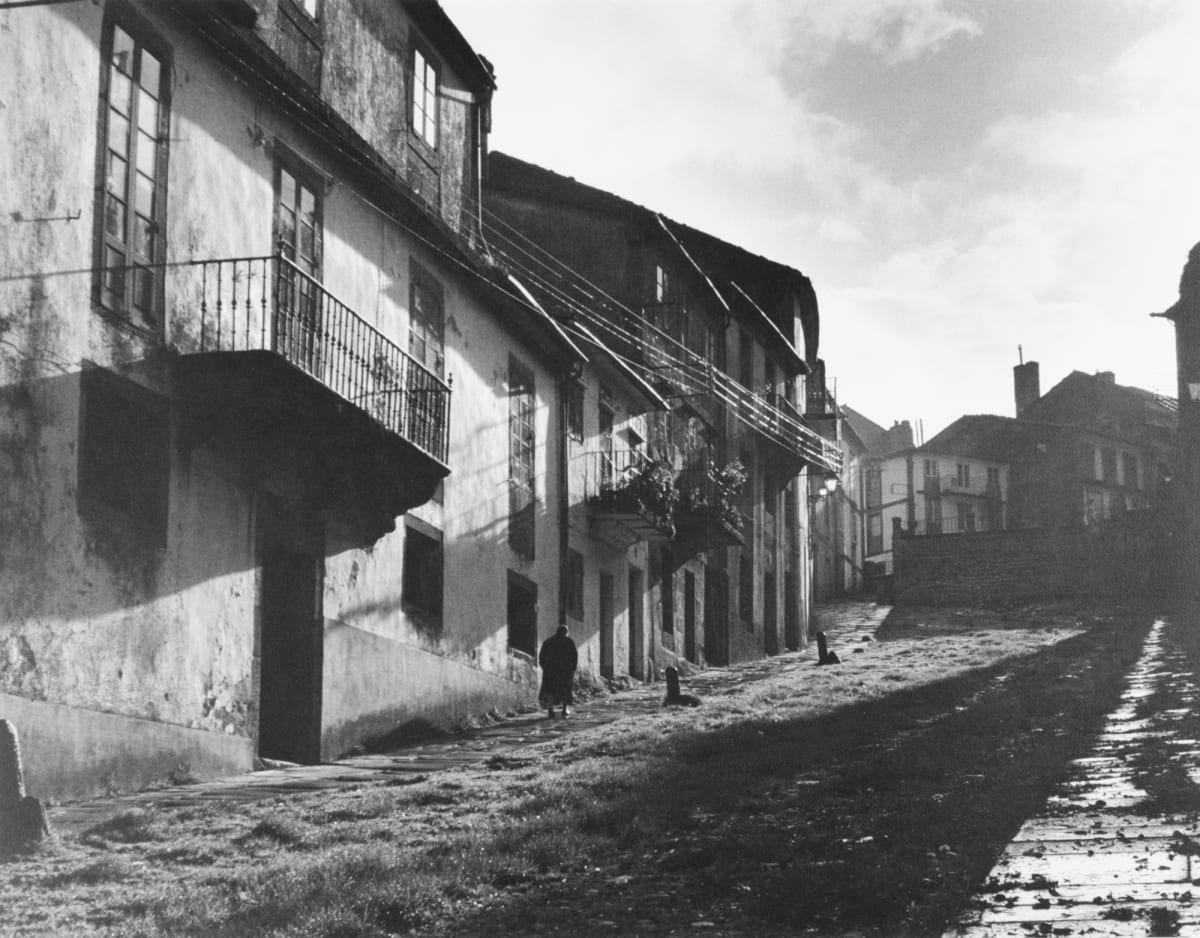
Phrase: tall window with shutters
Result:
[132,194]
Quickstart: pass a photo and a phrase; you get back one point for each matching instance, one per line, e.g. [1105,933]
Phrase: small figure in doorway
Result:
[558,659]
[674,698]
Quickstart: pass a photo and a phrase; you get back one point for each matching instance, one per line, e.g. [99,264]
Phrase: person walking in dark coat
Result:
[558,659]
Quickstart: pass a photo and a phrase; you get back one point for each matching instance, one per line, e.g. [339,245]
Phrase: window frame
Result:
[522,425]
[521,637]
[1108,465]
[574,585]
[119,301]
[418,599]
[420,52]
[433,327]
[522,459]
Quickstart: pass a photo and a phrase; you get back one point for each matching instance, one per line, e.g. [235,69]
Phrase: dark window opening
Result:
[124,455]
[575,585]
[423,565]
[1108,465]
[575,411]
[522,614]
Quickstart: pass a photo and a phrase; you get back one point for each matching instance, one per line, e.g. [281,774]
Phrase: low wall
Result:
[71,753]
[1119,558]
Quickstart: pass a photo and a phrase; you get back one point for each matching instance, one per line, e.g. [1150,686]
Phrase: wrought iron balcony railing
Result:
[269,304]
[628,484]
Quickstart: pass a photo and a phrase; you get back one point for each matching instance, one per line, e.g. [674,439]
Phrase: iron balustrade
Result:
[607,470]
[269,304]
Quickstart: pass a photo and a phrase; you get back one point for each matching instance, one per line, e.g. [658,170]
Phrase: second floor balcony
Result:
[707,515]
[280,365]
[630,497]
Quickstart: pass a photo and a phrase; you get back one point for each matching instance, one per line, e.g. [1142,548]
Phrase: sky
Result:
[958,178]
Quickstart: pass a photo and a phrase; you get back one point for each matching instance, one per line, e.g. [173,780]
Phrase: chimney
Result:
[1027,385]
[899,437]
[1106,377]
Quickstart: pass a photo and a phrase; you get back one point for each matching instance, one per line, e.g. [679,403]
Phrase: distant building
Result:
[1086,452]
[1088,449]
[955,483]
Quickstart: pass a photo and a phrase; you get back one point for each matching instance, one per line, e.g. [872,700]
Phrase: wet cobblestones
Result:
[1115,850]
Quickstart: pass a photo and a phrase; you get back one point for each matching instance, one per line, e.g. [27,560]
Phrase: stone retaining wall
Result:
[1119,558]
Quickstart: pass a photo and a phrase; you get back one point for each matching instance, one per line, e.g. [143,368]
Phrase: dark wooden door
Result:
[291,640]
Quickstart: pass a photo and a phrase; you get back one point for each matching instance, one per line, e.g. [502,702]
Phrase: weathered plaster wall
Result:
[93,620]
[103,636]
[368,48]
[375,649]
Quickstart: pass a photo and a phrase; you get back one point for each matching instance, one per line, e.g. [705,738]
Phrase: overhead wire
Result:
[736,394]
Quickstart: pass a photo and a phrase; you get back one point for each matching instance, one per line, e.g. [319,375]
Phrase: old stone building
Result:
[695,529]
[263,392]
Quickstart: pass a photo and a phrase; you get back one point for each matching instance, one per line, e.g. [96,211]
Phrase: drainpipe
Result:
[564,495]
[480,153]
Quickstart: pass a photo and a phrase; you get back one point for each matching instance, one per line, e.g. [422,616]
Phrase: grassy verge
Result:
[870,797]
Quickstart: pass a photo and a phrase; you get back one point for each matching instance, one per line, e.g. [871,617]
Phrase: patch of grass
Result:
[128,827]
[103,870]
[284,830]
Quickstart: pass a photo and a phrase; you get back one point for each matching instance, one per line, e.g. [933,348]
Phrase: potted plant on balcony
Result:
[708,514]
[647,489]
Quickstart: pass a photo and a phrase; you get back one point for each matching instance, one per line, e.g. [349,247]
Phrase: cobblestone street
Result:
[1112,853]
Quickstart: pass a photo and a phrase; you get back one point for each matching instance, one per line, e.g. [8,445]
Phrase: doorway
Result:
[291,638]
[689,616]
[607,631]
[716,616]
[637,650]
[770,615]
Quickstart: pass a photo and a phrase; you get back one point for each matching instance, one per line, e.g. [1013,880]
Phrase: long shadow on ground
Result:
[880,818]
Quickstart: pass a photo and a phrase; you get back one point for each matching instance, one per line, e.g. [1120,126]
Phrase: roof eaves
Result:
[639,385]
[799,366]
[540,317]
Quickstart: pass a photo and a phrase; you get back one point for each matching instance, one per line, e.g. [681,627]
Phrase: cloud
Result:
[895,30]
